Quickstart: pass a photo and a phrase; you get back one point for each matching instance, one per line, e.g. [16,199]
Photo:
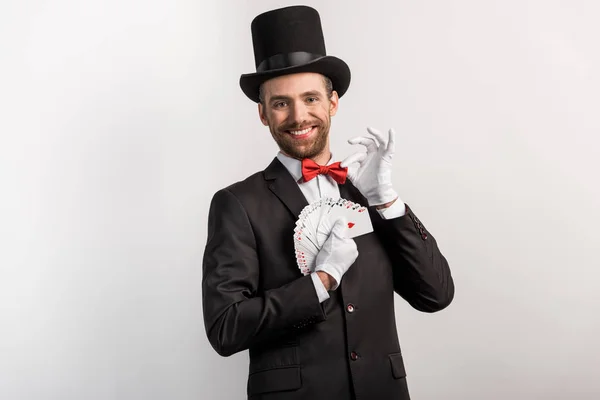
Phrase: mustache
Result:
[299,125]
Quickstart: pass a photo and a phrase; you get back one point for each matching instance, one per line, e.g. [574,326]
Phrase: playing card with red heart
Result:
[315,222]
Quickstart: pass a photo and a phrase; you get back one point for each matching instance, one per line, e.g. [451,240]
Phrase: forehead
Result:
[294,84]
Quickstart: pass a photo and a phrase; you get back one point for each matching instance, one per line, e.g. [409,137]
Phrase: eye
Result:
[312,99]
[279,104]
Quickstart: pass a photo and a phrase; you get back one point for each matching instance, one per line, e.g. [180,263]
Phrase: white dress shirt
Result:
[325,186]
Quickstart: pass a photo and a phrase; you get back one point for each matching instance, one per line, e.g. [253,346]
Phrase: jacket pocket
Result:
[397,364]
[279,356]
[275,380]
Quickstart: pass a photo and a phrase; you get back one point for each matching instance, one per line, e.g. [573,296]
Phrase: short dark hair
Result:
[326,80]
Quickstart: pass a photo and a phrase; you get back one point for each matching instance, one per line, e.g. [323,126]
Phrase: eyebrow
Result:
[283,97]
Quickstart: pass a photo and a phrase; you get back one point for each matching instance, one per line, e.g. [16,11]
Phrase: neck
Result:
[322,158]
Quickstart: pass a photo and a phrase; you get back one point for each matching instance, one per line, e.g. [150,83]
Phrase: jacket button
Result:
[350,308]
[353,356]
[424,236]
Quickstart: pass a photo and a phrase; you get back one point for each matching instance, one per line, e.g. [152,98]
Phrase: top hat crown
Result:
[290,40]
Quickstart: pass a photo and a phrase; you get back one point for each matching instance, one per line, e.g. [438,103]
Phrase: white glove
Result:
[373,176]
[338,253]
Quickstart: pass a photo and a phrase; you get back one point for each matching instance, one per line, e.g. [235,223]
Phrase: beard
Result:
[301,148]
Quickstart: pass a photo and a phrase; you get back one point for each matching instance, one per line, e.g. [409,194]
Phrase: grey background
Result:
[121,118]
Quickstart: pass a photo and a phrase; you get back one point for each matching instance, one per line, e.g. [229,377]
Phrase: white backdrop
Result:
[121,118]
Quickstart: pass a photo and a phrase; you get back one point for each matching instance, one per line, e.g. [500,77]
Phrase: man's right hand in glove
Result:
[336,256]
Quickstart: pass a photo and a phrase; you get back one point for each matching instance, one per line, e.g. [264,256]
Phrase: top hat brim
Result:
[332,67]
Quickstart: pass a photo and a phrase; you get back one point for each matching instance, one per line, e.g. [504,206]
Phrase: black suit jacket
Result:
[256,299]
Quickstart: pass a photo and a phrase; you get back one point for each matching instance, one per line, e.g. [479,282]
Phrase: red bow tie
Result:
[310,169]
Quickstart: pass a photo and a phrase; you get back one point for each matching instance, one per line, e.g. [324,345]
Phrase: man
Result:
[330,334]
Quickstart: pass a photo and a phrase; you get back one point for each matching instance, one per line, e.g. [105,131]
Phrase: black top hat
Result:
[290,40]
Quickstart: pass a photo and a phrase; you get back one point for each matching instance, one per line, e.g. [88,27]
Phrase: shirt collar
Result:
[294,166]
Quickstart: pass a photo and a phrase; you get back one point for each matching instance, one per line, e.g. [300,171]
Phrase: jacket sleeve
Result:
[237,314]
[421,273]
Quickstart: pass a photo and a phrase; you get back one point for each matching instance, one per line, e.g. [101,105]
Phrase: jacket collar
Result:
[284,185]
[293,165]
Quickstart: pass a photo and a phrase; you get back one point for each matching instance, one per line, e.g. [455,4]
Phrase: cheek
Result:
[277,119]
[324,112]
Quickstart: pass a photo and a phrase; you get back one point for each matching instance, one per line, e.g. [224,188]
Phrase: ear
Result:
[333,103]
[261,114]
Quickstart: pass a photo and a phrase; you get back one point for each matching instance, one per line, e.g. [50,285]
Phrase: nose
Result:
[298,112]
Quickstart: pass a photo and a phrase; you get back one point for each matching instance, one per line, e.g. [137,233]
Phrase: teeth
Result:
[302,132]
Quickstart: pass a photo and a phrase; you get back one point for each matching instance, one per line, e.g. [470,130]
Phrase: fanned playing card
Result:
[316,221]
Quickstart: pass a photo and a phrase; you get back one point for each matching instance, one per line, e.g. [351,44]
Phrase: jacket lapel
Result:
[349,192]
[345,191]
[282,184]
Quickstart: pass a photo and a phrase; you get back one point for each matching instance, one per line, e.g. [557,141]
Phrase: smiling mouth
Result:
[301,133]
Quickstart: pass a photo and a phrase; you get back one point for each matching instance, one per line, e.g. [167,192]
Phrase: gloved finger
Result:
[354,158]
[352,171]
[368,142]
[391,146]
[378,136]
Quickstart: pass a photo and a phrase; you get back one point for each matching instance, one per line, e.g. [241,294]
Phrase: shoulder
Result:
[243,192]
[254,191]
[247,186]
[255,185]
